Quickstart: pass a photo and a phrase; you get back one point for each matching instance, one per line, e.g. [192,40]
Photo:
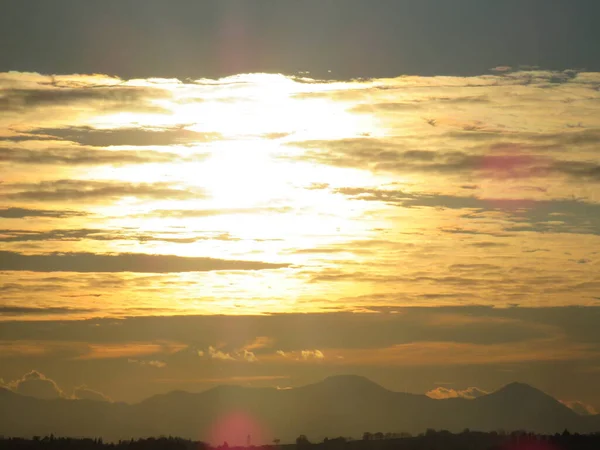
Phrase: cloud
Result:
[455,354]
[580,170]
[312,355]
[85,393]
[108,98]
[387,107]
[581,408]
[391,156]
[122,262]
[576,216]
[301,355]
[426,336]
[76,190]
[443,393]
[35,311]
[237,355]
[194,213]
[36,384]
[15,235]
[22,213]
[130,350]
[150,363]
[224,380]
[84,156]
[74,350]
[516,155]
[214,353]
[127,136]
[249,356]
[501,69]
[259,343]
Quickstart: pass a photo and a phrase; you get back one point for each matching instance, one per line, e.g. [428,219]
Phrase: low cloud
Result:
[312,355]
[443,393]
[150,363]
[237,355]
[122,262]
[131,350]
[36,384]
[85,393]
[302,355]
[214,353]
[249,356]
[581,408]
[260,342]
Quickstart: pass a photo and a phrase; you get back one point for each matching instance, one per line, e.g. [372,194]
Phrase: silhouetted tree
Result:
[302,440]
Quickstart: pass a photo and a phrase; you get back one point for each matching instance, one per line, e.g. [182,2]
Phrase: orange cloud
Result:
[132,349]
[223,379]
[260,342]
[447,353]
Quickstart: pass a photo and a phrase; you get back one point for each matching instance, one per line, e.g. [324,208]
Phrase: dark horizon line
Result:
[367,438]
[317,75]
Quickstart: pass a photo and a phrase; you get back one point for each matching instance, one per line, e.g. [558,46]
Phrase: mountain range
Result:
[345,405]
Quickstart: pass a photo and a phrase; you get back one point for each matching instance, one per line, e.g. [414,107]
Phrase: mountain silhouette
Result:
[344,405]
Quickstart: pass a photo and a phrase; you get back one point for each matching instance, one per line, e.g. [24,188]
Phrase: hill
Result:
[337,406]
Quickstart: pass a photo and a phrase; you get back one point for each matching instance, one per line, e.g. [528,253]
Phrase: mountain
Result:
[338,406]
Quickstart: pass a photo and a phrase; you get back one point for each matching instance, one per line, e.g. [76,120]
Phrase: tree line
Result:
[429,440]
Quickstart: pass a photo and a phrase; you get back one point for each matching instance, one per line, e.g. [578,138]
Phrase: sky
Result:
[264,193]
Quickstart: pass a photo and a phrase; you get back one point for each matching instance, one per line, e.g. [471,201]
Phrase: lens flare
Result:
[237,428]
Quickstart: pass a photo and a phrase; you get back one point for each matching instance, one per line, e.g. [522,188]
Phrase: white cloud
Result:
[312,354]
[281,353]
[237,355]
[218,354]
[250,356]
[583,409]
[152,363]
[36,384]
[469,393]
[85,393]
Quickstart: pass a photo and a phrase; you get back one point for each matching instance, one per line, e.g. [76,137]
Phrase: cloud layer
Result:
[244,201]
[124,262]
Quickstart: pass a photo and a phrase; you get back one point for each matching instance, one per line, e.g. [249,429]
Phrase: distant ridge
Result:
[343,405]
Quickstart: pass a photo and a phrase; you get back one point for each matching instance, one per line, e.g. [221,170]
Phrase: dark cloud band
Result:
[122,262]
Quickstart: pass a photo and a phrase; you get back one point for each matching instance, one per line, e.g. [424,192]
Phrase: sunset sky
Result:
[267,193]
